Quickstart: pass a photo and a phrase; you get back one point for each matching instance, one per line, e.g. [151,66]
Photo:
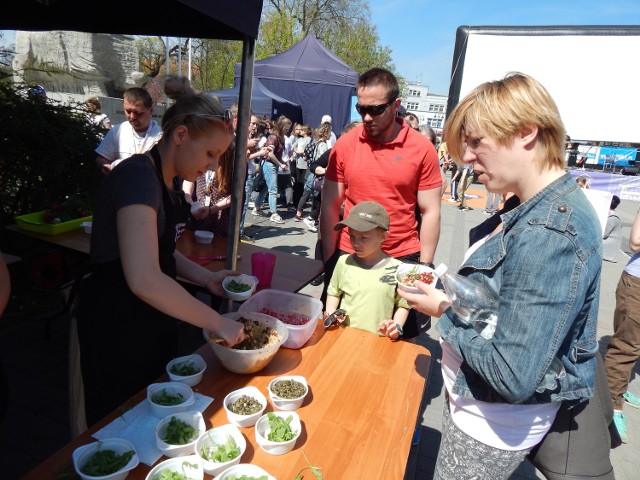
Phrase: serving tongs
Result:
[336,316]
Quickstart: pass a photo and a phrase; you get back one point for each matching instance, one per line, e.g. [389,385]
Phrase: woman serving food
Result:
[542,255]
[130,304]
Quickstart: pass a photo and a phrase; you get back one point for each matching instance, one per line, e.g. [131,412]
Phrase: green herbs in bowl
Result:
[106,462]
[239,287]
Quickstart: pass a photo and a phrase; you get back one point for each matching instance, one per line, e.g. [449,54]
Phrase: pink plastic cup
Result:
[262,265]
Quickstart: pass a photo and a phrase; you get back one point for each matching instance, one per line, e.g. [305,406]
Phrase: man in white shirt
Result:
[332,138]
[137,135]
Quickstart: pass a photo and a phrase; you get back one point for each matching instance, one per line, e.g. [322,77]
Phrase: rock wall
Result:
[77,65]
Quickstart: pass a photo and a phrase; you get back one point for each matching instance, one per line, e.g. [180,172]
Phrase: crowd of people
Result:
[373,194]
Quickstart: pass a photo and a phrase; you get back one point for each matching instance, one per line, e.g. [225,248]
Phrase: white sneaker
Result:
[255,212]
[251,204]
[275,218]
[309,222]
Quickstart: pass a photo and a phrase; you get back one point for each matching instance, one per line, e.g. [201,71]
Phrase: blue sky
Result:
[421,33]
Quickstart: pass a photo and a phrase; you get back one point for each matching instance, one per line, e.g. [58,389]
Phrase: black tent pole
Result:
[240,161]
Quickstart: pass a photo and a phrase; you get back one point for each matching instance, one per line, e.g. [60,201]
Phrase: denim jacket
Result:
[545,264]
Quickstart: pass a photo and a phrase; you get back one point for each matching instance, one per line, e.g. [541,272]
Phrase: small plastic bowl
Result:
[193,419]
[244,420]
[288,404]
[220,436]
[190,466]
[406,268]
[203,236]
[171,388]
[244,279]
[244,469]
[81,456]
[196,361]
[87,226]
[277,448]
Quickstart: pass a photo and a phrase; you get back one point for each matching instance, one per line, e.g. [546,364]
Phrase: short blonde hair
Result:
[503,108]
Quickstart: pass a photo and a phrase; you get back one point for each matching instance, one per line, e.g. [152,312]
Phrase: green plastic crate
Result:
[33,222]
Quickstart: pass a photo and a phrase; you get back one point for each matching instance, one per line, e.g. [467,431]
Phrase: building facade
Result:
[430,109]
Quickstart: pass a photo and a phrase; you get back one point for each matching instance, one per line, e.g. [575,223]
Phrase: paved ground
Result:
[37,422]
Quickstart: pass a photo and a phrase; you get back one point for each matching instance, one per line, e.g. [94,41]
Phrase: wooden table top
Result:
[358,419]
[291,273]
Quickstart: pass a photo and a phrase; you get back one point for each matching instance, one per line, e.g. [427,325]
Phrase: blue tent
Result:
[263,102]
[310,75]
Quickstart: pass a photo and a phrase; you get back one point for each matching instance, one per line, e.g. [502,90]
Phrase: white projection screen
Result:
[591,72]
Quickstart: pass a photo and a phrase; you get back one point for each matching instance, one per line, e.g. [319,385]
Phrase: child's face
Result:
[368,243]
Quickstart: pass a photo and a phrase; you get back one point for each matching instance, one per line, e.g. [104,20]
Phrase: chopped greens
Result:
[237,287]
[184,369]
[167,474]
[288,389]
[280,428]
[106,462]
[245,405]
[167,399]
[179,432]
[221,453]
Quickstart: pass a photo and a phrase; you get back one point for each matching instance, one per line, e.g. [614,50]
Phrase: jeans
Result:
[248,190]
[493,202]
[463,185]
[271,178]
[624,347]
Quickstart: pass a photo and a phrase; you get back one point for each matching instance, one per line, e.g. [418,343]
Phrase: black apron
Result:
[124,342]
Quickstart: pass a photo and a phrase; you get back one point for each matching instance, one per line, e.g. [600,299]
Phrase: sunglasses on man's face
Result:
[373,110]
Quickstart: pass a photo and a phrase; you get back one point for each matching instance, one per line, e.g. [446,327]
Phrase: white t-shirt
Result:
[500,425]
[122,141]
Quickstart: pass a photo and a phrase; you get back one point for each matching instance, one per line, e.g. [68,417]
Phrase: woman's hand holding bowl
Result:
[430,301]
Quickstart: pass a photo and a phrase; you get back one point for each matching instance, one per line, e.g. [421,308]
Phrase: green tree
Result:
[46,154]
[344,26]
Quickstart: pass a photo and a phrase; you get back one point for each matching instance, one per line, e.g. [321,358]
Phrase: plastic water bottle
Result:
[473,303]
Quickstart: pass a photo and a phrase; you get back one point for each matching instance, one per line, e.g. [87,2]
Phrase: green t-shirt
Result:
[368,295]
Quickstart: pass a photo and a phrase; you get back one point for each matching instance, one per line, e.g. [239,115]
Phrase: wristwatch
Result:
[428,264]
[399,330]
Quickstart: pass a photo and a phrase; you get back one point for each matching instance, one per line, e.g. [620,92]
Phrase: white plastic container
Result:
[219,436]
[244,420]
[277,448]
[284,303]
[193,419]
[190,466]
[172,388]
[246,469]
[203,236]
[196,361]
[81,456]
[288,404]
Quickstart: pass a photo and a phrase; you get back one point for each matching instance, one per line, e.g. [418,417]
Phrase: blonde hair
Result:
[503,108]
[323,132]
[196,111]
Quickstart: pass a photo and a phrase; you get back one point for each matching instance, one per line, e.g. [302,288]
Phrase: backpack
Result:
[309,151]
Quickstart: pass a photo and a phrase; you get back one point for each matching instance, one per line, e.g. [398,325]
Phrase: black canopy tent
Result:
[222,19]
[263,102]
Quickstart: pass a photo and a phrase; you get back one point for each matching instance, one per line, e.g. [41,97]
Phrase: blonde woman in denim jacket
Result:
[542,254]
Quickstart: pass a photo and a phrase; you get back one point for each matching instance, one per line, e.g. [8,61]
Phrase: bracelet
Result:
[399,330]
[428,264]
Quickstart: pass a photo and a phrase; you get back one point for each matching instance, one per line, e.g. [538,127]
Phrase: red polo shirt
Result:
[389,173]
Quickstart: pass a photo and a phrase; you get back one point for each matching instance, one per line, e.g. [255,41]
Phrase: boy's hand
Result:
[391,329]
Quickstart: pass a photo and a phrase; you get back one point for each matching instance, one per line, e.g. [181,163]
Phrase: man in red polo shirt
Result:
[385,161]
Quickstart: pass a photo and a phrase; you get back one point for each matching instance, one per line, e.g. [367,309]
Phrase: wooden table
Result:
[358,418]
[292,272]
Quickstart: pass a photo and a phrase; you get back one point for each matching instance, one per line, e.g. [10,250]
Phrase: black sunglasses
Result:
[373,110]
